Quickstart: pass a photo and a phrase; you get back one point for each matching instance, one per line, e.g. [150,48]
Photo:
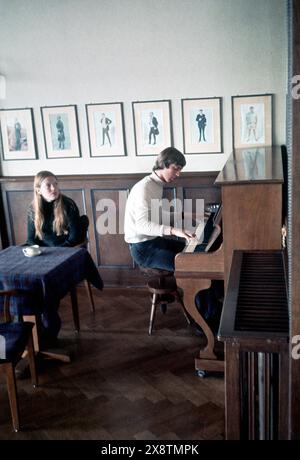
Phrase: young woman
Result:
[53,218]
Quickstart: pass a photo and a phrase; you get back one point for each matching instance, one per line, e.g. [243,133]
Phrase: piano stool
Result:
[164,290]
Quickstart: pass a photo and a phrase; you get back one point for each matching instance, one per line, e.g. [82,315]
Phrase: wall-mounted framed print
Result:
[201,120]
[252,120]
[152,126]
[106,129]
[60,126]
[18,134]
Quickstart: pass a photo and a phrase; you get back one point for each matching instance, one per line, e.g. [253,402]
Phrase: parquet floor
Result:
[121,383]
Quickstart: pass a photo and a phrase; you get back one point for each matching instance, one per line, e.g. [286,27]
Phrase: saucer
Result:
[33,255]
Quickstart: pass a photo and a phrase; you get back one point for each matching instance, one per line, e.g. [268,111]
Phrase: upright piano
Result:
[251,186]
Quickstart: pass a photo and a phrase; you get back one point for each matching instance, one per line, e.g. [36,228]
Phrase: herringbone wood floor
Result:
[121,383]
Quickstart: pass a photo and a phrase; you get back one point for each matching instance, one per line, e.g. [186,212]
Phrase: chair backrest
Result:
[84,225]
[5,296]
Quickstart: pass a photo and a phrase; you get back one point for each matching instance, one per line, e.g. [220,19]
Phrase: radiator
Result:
[255,329]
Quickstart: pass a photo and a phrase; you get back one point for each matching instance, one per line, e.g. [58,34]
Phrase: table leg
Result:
[49,353]
[74,301]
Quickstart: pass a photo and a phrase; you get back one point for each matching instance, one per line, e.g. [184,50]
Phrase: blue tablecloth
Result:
[46,278]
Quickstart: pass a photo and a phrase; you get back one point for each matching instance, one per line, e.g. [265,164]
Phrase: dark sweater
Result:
[50,238]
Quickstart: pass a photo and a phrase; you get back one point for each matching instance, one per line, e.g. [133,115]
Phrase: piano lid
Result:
[253,165]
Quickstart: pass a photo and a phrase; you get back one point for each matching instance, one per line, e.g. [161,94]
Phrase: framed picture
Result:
[201,120]
[252,120]
[152,126]
[18,134]
[60,126]
[106,129]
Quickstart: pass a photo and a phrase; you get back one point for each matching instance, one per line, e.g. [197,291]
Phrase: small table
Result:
[45,279]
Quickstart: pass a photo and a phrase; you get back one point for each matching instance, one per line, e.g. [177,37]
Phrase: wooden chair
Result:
[15,337]
[84,225]
[163,288]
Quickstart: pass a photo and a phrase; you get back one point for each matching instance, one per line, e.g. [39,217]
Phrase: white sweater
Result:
[137,225]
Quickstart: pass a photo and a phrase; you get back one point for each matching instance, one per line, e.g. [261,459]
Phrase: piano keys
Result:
[206,236]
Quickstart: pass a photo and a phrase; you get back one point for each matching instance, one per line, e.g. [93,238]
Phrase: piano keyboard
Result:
[203,232]
[191,245]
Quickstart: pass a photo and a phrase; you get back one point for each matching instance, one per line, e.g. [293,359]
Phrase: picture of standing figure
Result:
[105,122]
[18,135]
[201,120]
[60,133]
[251,124]
[153,125]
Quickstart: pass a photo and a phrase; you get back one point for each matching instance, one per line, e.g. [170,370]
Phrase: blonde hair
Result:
[59,222]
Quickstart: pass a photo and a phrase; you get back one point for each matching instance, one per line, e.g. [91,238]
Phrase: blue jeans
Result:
[157,253]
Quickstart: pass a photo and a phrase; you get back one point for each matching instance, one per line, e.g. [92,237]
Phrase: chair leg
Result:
[32,364]
[152,314]
[90,295]
[12,394]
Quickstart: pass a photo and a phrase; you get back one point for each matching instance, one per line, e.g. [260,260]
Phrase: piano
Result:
[250,218]
[195,268]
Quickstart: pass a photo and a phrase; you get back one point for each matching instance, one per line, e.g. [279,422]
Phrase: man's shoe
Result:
[163,308]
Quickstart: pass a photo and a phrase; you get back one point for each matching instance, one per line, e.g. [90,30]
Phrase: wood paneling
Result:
[17,202]
[108,218]
[95,196]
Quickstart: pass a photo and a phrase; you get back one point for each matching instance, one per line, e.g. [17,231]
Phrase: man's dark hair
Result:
[167,157]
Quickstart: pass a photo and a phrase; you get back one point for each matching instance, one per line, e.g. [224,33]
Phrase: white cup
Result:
[31,251]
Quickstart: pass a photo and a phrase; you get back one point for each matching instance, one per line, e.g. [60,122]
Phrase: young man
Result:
[146,237]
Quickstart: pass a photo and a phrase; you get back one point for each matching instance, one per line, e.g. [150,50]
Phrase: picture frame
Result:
[152,126]
[60,128]
[106,129]
[18,134]
[201,124]
[252,120]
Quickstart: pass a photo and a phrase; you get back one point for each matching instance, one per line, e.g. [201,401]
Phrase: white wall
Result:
[56,52]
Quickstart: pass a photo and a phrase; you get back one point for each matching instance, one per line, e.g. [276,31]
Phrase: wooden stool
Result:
[163,285]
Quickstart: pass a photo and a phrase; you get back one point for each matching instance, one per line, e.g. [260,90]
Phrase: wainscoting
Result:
[95,195]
